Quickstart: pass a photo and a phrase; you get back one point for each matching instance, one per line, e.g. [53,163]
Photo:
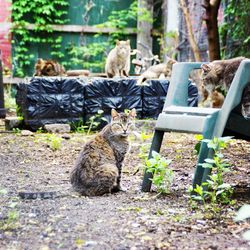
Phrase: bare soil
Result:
[125,220]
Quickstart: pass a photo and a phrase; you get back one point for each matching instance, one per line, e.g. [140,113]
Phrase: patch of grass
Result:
[54,141]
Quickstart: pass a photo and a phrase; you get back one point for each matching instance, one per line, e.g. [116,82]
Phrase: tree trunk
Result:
[144,37]
[212,7]
[192,41]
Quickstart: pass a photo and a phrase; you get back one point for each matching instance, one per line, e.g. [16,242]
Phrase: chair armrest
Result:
[178,89]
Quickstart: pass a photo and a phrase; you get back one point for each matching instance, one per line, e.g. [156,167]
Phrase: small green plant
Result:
[16,130]
[11,220]
[244,214]
[163,176]
[214,189]
[54,141]
[144,148]
[9,99]
[95,120]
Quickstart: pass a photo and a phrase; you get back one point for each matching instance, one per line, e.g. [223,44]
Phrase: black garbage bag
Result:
[51,100]
[47,100]
[105,94]
[154,95]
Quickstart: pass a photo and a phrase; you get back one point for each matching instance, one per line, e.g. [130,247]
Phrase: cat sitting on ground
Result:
[161,70]
[217,74]
[48,68]
[98,167]
[118,60]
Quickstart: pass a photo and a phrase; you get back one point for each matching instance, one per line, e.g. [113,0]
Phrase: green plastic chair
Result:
[210,122]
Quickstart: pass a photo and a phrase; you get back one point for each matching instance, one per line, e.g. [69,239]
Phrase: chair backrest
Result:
[178,89]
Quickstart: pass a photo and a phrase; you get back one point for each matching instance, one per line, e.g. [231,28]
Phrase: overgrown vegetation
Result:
[235,31]
[214,191]
[92,56]
[92,124]
[41,13]
[162,175]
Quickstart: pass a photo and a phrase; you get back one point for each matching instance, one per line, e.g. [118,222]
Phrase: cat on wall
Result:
[118,60]
[220,73]
[98,168]
[48,68]
[161,70]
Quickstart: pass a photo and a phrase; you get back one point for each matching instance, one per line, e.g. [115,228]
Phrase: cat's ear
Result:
[171,62]
[128,42]
[132,113]
[114,114]
[206,68]
[117,42]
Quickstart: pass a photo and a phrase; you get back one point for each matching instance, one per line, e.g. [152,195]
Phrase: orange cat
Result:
[48,68]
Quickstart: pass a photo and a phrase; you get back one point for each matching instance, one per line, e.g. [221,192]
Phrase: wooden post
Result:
[2,109]
[144,28]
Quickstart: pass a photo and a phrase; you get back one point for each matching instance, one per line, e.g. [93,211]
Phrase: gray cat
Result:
[118,60]
[98,167]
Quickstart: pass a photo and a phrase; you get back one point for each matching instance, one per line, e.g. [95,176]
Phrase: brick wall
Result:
[5,38]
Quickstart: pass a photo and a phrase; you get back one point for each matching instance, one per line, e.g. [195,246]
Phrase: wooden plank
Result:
[84,29]
[15,80]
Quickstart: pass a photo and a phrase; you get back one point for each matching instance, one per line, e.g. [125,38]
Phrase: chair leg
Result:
[155,146]
[201,173]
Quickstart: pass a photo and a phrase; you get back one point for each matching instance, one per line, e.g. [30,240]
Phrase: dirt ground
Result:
[125,220]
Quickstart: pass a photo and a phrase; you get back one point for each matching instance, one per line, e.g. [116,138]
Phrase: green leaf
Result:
[206,165]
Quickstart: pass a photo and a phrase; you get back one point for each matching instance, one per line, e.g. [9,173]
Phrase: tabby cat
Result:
[118,60]
[217,74]
[98,167]
[48,68]
[157,71]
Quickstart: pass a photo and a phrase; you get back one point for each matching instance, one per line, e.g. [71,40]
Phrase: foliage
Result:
[9,100]
[119,20]
[54,141]
[243,214]
[214,189]
[92,124]
[163,176]
[42,13]
[94,121]
[235,31]
[90,56]
[11,220]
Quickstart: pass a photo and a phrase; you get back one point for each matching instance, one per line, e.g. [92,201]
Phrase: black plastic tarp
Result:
[48,100]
